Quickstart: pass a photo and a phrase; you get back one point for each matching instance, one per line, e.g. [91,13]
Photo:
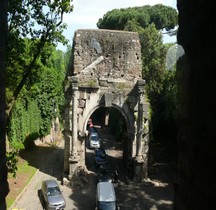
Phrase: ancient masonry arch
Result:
[106,72]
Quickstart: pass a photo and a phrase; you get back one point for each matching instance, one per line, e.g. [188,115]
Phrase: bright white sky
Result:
[86,14]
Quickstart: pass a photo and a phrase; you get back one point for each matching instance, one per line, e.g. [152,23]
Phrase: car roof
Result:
[100,150]
[104,167]
[93,129]
[106,191]
[93,134]
[50,183]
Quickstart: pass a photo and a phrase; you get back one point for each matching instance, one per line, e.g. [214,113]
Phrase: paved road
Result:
[150,195]
[51,163]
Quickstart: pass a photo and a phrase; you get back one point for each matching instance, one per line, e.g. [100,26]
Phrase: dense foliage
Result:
[148,21]
[41,22]
[163,17]
[35,71]
[40,101]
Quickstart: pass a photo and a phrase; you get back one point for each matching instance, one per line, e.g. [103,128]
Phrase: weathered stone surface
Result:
[107,68]
[106,54]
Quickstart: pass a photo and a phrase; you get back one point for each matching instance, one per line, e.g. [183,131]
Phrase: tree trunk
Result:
[24,79]
[4,189]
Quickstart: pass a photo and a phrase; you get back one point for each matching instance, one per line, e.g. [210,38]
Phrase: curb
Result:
[21,193]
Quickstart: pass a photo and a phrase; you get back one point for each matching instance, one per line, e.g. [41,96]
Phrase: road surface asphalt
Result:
[154,194]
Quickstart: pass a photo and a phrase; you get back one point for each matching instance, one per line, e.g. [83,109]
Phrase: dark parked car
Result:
[92,130]
[106,197]
[105,174]
[100,156]
[51,195]
[100,152]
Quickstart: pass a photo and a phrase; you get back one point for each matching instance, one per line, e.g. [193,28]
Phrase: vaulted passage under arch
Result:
[111,128]
[106,77]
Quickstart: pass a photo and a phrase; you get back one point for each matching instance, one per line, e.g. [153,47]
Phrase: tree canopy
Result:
[148,21]
[163,17]
[40,21]
[35,71]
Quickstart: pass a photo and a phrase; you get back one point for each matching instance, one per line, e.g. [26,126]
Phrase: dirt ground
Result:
[18,183]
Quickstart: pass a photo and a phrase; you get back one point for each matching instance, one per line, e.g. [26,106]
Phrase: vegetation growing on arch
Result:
[160,87]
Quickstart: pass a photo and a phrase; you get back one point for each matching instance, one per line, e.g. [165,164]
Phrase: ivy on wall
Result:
[25,123]
[40,101]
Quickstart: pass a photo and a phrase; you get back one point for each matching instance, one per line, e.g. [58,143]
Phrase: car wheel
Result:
[40,195]
[41,198]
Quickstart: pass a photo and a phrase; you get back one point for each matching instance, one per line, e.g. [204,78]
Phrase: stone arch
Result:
[110,77]
[89,115]
[129,124]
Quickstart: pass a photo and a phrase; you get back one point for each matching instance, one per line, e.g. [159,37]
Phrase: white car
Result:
[94,140]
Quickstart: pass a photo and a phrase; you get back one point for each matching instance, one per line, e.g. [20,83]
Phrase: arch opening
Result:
[111,126]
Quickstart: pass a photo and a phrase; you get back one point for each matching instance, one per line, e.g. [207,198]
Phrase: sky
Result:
[86,14]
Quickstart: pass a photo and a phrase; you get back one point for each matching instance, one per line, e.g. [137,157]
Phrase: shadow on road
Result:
[48,160]
[152,194]
[84,197]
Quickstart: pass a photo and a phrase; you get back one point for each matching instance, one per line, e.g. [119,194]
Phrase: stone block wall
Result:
[102,56]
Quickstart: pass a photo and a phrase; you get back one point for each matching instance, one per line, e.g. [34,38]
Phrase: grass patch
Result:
[24,174]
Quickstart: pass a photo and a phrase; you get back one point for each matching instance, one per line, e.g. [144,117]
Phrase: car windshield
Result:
[100,152]
[107,206]
[104,171]
[104,168]
[94,138]
[53,191]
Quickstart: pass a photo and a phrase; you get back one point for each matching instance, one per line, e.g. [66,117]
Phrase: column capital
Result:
[141,82]
[140,86]
[74,82]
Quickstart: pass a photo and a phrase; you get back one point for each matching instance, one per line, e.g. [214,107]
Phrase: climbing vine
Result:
[40,101]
